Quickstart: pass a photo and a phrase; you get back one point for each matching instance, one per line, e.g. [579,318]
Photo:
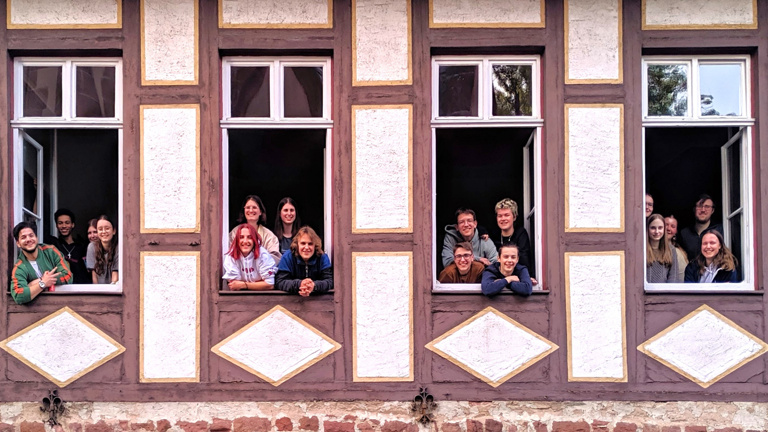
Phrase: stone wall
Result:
[373,416]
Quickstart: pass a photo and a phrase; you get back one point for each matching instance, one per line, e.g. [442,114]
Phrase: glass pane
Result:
[303,92]
[512,90]
[42,91]
[668,90]
[457,88]
[735,225]
[30,177]
[95,91]
[250,91]
[734,175]
[720,89]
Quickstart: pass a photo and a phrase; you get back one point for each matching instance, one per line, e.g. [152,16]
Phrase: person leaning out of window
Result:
[305,268]
[464,268]
[507,273]
[715,263]
[39,267]
[247,264]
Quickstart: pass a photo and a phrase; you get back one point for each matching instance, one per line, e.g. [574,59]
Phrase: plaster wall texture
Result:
[169,168]
[382,161]
[359,416]
[169,34]
[595,168]
[382,45]
[488,12]
[170,307]
[593,40]
[596,344]
[63,12]
[383,315]
[699,13]
[246,13]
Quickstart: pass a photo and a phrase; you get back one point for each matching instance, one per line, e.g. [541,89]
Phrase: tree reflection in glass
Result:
[667,90]
[512,90]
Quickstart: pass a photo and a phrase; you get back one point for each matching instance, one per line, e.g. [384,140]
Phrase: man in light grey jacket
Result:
[466,230]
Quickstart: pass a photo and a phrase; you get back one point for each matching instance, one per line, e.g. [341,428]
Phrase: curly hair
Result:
[306,230]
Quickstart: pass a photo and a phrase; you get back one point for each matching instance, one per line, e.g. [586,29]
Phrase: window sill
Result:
[706,292]
[266,292]
[693,288]
[475,289]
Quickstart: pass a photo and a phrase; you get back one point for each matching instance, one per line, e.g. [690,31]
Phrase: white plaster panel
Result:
[596,312]
[169,35]
[383,317]
[458,12]
[277,346]
[274,12]
[63,12]
[673,13]
[484,346]
[170,160]
[593,40]
[594,167]
[62,347]
[170,310]
[382,41]
[704,346]
[382,168]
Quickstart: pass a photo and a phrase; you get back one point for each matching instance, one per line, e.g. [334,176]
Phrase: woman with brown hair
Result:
[661,264]
[715,263]
[103,253]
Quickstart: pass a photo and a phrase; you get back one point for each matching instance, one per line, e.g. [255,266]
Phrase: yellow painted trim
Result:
[142,226]
[540,24]
[142,377]
[62,384]
[490,309]
[116,25]
[571,377]
[294,25]
[355,376]
[407,81]
[144,80]
[750,26]
[409,228]
[217,349]
[621,167]
[643,347]
[618,80]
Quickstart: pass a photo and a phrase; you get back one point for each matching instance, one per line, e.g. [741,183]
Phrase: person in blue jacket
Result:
[305,268]
[507,273]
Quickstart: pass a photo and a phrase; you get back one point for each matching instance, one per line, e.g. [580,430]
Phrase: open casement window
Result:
[276,140]
[67,141]
[701,145]
[486,146]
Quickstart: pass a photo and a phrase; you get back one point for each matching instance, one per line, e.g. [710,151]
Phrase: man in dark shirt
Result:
[690,237]
[73,249]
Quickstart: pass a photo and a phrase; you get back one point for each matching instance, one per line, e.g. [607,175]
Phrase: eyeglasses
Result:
[466,222]
[464,257]
[704,206]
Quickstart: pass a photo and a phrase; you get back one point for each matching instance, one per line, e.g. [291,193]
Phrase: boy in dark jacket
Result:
[305,268]
[507,274]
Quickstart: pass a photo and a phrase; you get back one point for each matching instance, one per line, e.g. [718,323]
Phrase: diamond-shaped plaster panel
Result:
[492,346]
[276,346]
[704,346]
[62,347]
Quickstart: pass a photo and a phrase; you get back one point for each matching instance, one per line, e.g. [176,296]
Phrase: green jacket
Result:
[48,258]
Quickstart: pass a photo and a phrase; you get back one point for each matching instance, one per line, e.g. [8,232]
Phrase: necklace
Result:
[68,250]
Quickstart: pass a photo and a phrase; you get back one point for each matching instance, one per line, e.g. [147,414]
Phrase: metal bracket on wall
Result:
[53,406]
[422,407]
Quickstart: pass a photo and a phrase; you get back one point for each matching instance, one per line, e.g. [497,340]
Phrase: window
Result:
[67,146]
[486,135]
[276,135]
[697,140]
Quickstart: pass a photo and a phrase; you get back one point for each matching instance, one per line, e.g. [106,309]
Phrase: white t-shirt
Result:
[37,268]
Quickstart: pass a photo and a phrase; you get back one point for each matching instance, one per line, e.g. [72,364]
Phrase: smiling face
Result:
[65,225]
[306,247]
[710,247]
[670,226]
[245,241]
[656,229]
[463,259]
[27,240]
[93,234]
[105,231]
[288,214]
[648,205]
[252,212]
[508,257]
[505,218]
[466,225]
[704,210]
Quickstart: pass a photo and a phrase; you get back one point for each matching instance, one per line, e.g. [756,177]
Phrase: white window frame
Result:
[746,123]
[485,119]
[278,121]
[68,121]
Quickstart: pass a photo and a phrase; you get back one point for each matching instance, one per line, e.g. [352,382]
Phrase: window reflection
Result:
[511,90]
[458,91]
[42,91]
[720,89]
[668,90]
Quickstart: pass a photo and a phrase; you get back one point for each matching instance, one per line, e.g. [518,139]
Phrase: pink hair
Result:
[234,249]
